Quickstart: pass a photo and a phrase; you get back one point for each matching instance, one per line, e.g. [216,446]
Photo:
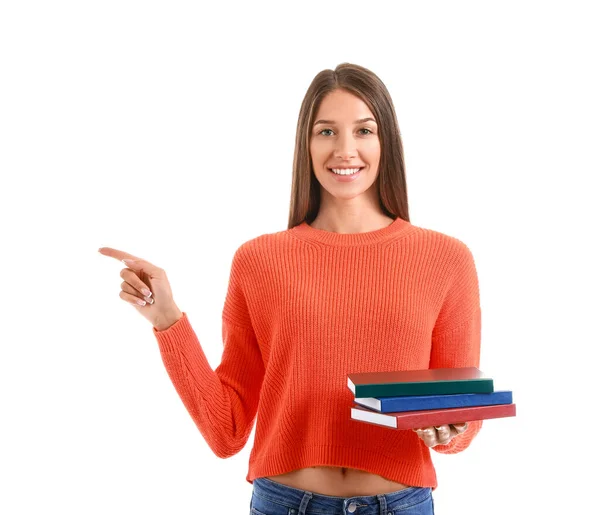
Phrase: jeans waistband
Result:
[294,497]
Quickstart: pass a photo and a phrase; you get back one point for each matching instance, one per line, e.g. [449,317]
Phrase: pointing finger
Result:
[139,265]
[117,254]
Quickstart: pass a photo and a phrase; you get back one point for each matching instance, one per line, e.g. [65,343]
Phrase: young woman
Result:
[350,286]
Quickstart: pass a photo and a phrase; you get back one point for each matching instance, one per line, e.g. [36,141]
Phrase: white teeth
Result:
[344,171]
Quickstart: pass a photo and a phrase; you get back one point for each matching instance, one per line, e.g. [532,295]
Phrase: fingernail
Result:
[146,292]
[128,261]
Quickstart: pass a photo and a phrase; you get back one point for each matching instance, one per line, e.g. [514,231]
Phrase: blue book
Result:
[430,402]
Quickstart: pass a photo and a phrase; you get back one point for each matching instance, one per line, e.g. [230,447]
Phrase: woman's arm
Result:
[456,337]
[223,402]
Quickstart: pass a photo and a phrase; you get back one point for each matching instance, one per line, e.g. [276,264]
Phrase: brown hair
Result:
[391,180]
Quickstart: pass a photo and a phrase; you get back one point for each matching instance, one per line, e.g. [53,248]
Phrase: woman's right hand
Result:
[159,308]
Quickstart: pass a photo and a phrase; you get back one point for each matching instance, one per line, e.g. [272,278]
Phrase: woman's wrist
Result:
[168,319]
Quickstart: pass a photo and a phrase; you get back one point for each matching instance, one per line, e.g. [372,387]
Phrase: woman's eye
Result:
[368,131]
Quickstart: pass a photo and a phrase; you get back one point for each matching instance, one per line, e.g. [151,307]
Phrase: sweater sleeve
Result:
[223,402]
[456,337]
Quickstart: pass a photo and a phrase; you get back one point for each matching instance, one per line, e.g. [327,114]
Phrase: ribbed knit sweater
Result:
[304,308]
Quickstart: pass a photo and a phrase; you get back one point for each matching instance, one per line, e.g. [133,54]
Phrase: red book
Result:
[436,417]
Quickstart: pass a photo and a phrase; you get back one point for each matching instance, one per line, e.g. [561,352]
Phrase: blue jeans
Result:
[271,498]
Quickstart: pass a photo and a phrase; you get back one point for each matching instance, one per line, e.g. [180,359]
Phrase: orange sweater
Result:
[305,307]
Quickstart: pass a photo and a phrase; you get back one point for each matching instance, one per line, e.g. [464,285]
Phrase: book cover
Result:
[429,402]
[419,419]
[432,381]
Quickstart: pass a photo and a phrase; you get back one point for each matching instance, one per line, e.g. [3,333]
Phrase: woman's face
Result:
[344,140]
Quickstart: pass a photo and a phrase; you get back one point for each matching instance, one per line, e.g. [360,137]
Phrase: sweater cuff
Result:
[178,344]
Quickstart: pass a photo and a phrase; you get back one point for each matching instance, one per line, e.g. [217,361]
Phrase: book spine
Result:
[426,388]
[428,402]
[453,416]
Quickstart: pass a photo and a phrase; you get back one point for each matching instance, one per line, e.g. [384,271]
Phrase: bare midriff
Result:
[338,481]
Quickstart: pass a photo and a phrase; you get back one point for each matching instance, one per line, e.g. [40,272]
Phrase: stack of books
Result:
[413,399]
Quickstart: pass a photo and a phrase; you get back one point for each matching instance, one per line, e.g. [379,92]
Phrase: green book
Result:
[431,381]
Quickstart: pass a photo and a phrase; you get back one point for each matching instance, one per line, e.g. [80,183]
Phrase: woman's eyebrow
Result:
[331,122]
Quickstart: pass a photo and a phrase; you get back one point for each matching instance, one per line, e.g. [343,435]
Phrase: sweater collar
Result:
[306,232]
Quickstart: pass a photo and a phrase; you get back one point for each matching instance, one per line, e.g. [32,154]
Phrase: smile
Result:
[345,171]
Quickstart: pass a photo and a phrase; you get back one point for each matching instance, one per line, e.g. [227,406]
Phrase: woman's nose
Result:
[346,147]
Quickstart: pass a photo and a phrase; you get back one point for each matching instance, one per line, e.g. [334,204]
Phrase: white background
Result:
[166,129]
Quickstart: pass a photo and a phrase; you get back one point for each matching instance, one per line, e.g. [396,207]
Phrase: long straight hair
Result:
[391,180]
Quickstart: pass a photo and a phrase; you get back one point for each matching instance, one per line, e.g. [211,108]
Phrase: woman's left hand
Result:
[440,435]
